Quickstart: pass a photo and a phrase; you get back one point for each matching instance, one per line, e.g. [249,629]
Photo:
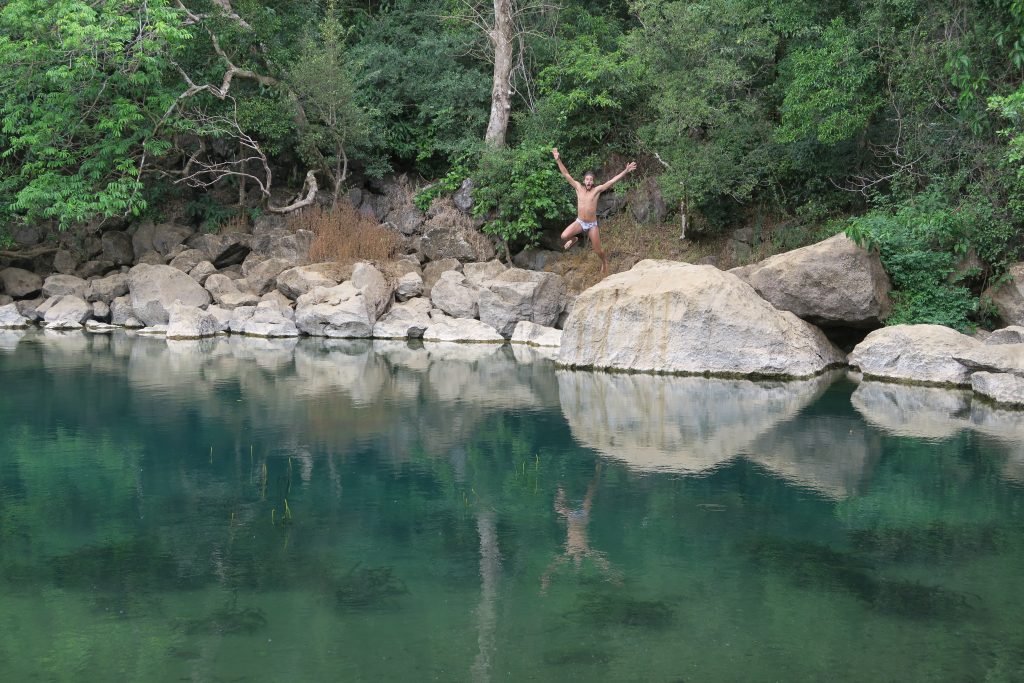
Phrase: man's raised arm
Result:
[562,169]
[630,167]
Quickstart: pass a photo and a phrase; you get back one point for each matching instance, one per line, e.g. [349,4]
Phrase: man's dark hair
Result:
[591,174]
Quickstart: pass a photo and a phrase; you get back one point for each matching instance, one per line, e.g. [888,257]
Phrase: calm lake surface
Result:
[243,510]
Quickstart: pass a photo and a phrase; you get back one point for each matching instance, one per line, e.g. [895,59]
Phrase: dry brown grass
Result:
[238,222]
[342,233]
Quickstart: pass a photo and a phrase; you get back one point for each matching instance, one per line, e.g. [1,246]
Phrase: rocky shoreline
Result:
[766,320]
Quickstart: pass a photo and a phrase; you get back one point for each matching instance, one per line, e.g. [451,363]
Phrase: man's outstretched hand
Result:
[554,152]
[630,167]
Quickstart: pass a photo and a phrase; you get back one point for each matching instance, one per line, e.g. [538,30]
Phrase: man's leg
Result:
[595,239]
[572,232]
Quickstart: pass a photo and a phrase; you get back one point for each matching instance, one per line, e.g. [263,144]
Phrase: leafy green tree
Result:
[84,86]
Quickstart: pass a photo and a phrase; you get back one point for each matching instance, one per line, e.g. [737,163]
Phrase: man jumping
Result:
[586,207]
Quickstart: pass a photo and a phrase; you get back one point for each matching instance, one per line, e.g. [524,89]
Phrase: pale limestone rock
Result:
[20,283]
[664,316]
[409,286]
[295,282]
[61,284]
[341,311]
[454,295]
[153,289]
[375,288]
[226,293]
[268,320]
[834,283]
[526,332]
[1000,358]
[11,318]
[443,328]
[67,313]
[479,274]
[916,353]
[190,322]
[1003,388]
[406,320]
[108,288]
[516,294]
[1014,334]
[202,271]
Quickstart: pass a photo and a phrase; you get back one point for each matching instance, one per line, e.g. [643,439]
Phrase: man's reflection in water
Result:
[577,545]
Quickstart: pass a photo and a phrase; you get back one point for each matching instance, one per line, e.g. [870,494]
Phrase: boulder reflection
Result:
[695,424]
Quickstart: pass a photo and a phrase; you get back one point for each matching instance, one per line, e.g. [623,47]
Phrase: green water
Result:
[468,513]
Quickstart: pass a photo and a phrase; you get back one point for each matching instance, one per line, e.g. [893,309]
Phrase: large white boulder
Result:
[454,295]
[516,294]
[154,288]
[1014,334]
[269,320]
[68,312]
[295,282]
[1000,358]
[666,316]
[407,320]
[108,288]
[409,285]
[375,288]
[444,328]
[916,353]
[60,284]
[11,318]
[226,292]
[341,311]
[1001,387]
[833,283]
[190,322]
[536,335]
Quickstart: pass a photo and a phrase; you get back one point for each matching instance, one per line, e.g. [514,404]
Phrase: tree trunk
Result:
[501,90]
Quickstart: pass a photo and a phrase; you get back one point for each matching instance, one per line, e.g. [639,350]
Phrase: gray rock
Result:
[68,312]
[1014,334]
[100,311]
[190,322]
[432,272]
[108,288]
[1008,297]
[443,328]
[409,286]
[240,316]
[917,353]
[97,327]
[340,311]
[151,258]
[375,289]
[268,321]
[65,262]
[91,269]
[535,259]
[40,311]
[20,283]
[406,320]
[188,259]
[646,203]
[223,250]
[295,282]
[526,332]
[832,283]
[407,221]
[1002,388]
[454,295]
[226,293]
[281,301]
[60,285]
[11,318]
[665,316]
[121,312]
[463,197]
[28,308]
[518,294]
[153,289]
[6,299]
[1000,358]
[222,316]
[479,274]
[202,270]
[290,246]
[462,244]
[117,248]
[262,277]
[167,236]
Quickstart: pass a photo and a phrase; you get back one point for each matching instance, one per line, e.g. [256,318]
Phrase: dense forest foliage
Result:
[907,114]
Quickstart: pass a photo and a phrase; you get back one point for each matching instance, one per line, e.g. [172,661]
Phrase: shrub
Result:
[342,233]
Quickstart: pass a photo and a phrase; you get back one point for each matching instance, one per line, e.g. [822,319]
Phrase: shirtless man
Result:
[586,207]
